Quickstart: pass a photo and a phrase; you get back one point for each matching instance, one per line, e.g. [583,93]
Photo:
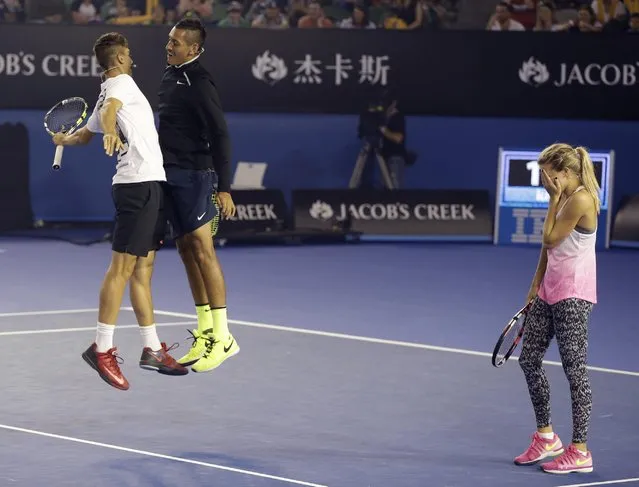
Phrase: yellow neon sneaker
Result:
[197,349]
[216,352]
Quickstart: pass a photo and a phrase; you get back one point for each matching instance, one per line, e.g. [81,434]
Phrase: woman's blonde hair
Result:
[576,159]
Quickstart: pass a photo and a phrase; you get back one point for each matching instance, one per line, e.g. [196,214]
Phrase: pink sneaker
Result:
[571,461]
[539,449]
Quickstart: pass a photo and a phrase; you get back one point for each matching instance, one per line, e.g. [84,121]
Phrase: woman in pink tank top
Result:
[563,293]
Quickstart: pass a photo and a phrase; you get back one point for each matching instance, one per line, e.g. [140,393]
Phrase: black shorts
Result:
[140,222]
[189,199]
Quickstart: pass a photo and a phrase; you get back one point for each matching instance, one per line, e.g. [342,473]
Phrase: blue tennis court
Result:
[361,365]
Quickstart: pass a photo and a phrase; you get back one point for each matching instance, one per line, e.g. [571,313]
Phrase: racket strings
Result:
[511,337]
[65,116]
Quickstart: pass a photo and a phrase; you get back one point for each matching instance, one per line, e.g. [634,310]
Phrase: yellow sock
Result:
[204,317]
[220,325]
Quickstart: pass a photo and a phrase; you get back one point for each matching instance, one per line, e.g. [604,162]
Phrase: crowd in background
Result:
[566,16]
[271,14]
[508,15]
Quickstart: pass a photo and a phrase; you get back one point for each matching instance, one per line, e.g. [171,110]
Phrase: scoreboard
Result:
[521,201]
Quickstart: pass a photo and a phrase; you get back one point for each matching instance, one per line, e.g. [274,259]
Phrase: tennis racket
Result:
[510,336]
[65,117]
[215,223]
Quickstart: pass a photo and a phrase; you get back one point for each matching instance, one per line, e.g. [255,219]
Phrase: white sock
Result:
[104,337]
[150,337]
[583,453]
[547,436]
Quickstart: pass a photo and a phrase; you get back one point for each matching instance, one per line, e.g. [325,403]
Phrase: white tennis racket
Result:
[65,117]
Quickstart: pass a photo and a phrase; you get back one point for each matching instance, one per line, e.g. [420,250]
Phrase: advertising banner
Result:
[428,214]
[523,74]
[257,211]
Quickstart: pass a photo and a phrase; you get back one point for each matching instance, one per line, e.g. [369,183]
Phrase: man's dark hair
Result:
[107,46]
[506,5]
[195,27]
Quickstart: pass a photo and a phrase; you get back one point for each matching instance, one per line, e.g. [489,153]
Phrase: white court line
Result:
[158,455]
[51,312]
[318,333]
[385,342]
[606,482]
[86,328]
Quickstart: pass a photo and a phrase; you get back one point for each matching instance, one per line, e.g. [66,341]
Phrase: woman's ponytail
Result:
[587,175]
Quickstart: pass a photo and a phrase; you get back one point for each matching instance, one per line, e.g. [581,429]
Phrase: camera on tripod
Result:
[370,121]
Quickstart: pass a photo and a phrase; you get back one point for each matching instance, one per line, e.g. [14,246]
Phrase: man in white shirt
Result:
[125,118]
[502,19]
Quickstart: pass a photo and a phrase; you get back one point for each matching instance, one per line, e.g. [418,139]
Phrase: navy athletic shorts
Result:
[189,199]
[140,222]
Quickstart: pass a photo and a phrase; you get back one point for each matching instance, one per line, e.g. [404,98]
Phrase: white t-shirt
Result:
[513,25]
[141,158]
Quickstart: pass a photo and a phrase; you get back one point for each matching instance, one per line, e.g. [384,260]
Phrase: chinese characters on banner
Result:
[373,70]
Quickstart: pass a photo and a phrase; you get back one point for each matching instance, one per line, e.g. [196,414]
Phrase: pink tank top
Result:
[572,267]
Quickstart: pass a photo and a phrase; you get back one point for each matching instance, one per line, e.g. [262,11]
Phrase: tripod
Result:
[360,164]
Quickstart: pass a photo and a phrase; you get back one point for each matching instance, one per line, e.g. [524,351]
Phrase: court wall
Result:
[319,151]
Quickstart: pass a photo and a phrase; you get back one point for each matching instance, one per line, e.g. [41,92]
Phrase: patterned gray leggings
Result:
[568,320]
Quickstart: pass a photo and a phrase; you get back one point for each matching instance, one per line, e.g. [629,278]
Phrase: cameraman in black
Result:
[393,143]
[382,132]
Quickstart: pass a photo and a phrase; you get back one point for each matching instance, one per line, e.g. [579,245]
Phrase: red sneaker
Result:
[161,361]
[106,365]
